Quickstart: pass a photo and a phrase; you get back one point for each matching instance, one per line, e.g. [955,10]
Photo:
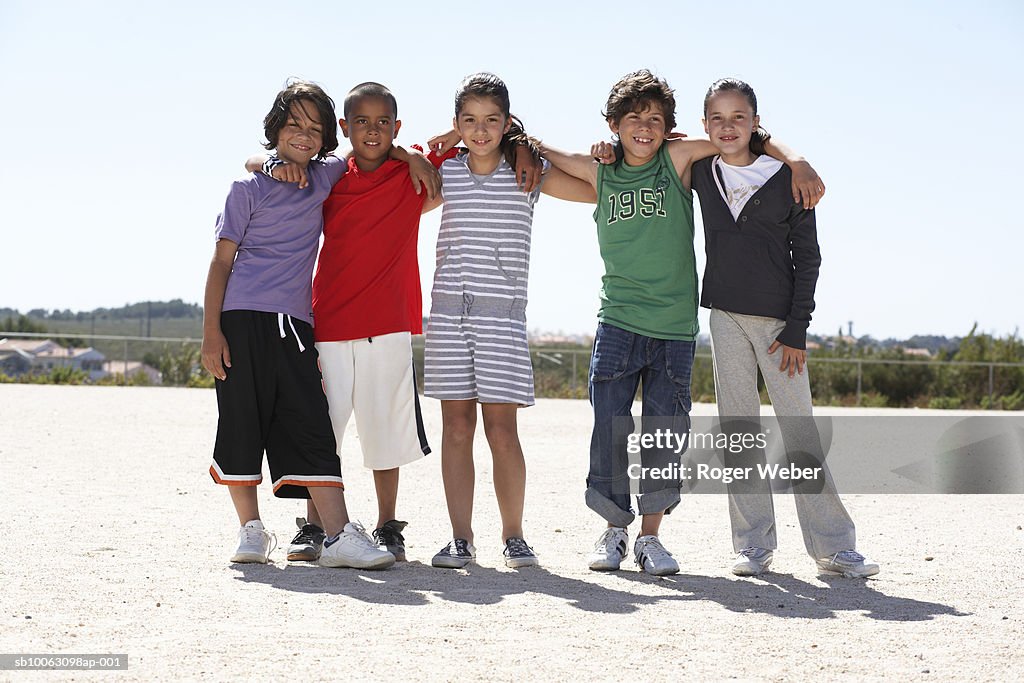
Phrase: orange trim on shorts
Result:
[296,482]
[232,482]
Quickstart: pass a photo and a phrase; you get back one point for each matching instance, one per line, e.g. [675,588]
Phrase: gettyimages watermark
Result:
[848,454]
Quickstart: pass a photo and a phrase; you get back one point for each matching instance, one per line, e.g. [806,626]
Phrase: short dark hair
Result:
[483,84]
[369,89]
[636,92]
[297,91]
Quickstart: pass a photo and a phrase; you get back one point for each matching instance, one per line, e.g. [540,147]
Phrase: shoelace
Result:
[654,549]
[254,535]
[388,536]
[605,541]
[361,536]
[456,548]
[307,534]
[851,556]
[749,552]
[517,547]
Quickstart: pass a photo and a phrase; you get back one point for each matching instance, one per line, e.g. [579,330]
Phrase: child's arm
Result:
[215,352]
[559,184]
[803,244]
[807,187]
[421,172]
[579,166]
[528,169]
[277,169]
[424,174]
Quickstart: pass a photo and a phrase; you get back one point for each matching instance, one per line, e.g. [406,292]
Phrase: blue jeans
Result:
[620,362]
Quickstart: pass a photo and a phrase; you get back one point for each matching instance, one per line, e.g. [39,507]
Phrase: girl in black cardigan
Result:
[762,267]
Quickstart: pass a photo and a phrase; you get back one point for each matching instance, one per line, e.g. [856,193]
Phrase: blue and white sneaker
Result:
[518,554]
[609,550]
[652,557]
[455,555]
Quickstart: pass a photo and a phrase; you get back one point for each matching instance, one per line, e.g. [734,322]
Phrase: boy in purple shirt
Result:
[258,338]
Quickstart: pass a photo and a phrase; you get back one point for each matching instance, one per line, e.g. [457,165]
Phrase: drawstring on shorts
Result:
[280,328]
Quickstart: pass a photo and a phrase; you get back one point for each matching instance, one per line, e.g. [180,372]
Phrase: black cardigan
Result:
[766,262]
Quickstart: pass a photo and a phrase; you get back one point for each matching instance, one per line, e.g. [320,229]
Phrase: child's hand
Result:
[216,355]
[808,188]
[529,170]
[793,359]
[603,152]
[439,144]
[290,173]
[424,175]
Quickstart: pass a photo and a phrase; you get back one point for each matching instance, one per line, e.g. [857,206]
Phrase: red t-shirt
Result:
[367,282]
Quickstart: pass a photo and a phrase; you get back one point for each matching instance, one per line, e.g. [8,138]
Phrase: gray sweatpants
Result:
[740,346]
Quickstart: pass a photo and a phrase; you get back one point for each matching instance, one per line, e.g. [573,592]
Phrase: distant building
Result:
[132,368]
[923,353]
[44,355]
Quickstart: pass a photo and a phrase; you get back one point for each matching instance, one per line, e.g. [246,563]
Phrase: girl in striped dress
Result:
[476,348]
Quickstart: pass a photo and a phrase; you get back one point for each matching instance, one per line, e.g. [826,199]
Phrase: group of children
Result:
[287,386]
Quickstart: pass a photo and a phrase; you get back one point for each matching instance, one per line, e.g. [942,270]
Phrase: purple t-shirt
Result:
[277,228]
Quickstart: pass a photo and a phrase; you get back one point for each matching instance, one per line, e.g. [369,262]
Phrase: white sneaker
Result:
[354,548]
[652,557]
[848,563]
[609,550]
[752,561]
[254,543]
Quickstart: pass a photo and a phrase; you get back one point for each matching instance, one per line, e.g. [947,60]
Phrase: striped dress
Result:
[476,335]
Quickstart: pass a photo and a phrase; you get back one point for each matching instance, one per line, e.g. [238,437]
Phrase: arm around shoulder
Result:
[582,166]
[561,185]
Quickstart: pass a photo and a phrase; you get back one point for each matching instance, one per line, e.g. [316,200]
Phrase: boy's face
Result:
[730,123]
[481,123]
[371,127]
[641,132]
[302,135]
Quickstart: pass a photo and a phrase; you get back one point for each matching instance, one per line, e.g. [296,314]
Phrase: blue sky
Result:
[126,123]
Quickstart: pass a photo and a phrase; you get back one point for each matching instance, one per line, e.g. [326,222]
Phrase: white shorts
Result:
[374,379]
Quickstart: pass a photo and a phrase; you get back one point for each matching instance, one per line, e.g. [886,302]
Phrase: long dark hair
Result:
[760,137]
[487,85]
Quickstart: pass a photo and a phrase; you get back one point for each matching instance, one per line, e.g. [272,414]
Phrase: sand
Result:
[118,543]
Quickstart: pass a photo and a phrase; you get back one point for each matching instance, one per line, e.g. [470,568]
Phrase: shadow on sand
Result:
[780,595]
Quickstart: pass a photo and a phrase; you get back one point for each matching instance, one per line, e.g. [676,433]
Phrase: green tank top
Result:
[644,222]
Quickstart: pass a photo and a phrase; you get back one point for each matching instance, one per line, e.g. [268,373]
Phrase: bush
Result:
[945,403]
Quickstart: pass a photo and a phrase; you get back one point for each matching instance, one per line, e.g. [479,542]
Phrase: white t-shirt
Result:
[739,183]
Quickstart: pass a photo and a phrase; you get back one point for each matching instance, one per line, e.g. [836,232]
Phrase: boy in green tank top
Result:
[648,317]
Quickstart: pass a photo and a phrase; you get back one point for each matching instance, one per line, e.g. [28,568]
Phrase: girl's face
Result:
[481,123]
[302,135]
[730,122]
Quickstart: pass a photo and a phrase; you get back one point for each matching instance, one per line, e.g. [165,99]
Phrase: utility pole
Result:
[850,323]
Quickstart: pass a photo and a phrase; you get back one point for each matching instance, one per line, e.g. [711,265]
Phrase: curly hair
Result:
[637,92]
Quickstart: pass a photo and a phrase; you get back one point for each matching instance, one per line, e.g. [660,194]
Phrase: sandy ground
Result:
[118,543]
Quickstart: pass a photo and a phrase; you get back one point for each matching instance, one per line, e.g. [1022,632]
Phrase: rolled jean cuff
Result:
[607,508]
[664,500]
